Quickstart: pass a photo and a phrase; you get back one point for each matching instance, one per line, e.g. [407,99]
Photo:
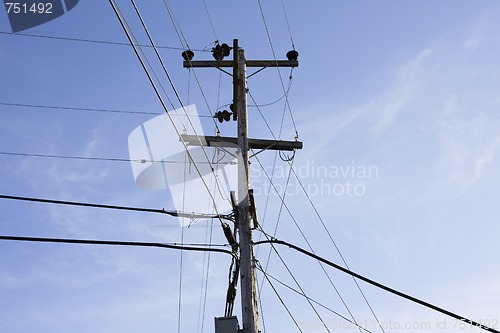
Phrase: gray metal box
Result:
[226,324]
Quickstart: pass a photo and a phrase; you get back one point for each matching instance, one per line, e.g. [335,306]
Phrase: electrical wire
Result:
[79,108]
[262,317]
[179,308]
[122,23]
[269,276]
[259,267]
[92,41]
[177,28]
[287,24]
[321,220]
[203,305]
[278,219]
[296,282]
[255,105]
[337,249]
[134,42]
[178,97]
[287,103]
[176,246]
[210,20]
[185,45]
[137,209]
[94,109]
[379,285]
[305,239]
[93,158]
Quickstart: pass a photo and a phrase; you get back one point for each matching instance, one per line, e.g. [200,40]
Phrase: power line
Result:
[93,41]
[76,108]
[379,285]
[283,204]
[185,45]
[320,219]
[101,158]
[115,243]
[128,33]
[255,105]
[259,267]
[287,24]
[89,109]
[337,248]
[137,209]
[287,103]
[269,276]
[80,157]
[210,20]
[296,282]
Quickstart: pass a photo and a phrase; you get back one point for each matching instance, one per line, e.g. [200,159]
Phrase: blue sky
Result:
[397,100]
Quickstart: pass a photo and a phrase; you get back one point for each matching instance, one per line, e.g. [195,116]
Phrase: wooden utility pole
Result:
[244,223]
[247,263]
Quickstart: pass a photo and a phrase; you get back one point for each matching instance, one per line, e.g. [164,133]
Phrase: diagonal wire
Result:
[270,178]
[269,276]
[259,267]
[121,20]
[287,23]
[331,238]
[219,187]
[185,45]
[278,69]
[92,41]
[338,250]
[297,283]
[210,20]
[305,239]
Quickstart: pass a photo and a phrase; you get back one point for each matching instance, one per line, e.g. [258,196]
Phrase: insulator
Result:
[218,53]
[229,234]
[188,55]
[219,116]
[292,55]
[226,115]
[225,49]
[235,114]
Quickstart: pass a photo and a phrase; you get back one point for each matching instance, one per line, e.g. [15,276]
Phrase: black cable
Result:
[137,209]
[379,285]
[107,242]
[93,41]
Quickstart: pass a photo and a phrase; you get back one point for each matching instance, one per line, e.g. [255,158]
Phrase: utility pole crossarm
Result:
[249,63]
[228,142]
